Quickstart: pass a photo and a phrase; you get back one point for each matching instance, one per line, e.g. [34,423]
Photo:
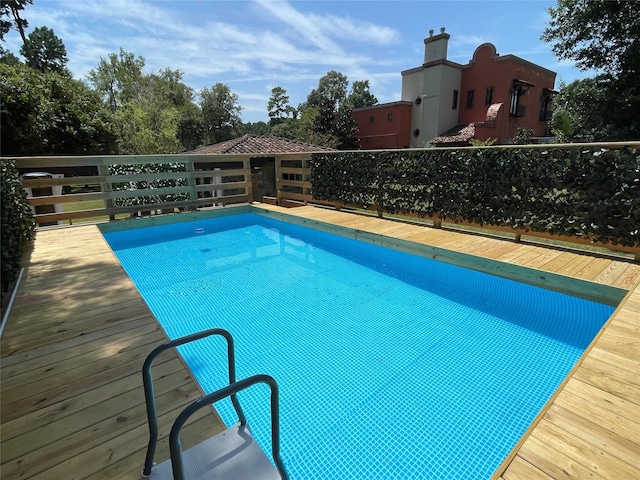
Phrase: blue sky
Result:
[253,46]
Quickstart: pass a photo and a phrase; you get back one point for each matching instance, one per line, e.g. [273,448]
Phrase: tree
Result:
[153,113]
[278,106]
[191,131]
[7,57]
[44,51]
[221,113]
[330,95]
[10,17]
[287,129]
[602,35]
[563,125]
[117,78]
[360,96]
[44,113]
[332,118]
[582,111]
[596,34]
[257,128]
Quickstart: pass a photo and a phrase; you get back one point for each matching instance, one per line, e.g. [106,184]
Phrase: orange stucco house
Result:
[445,103]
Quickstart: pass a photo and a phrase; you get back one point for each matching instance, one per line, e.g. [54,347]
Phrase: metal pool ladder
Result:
[230,454]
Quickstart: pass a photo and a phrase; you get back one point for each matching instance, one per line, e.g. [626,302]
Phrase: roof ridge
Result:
[260,144]
[234,142]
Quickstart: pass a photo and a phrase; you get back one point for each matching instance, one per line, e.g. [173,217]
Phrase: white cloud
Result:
[304,25]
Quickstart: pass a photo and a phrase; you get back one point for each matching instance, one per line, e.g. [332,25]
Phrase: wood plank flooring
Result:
[72,404]
[72,353]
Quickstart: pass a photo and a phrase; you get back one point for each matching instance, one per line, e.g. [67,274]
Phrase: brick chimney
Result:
[435,47]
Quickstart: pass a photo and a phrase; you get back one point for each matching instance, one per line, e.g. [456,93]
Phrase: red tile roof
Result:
[259,144]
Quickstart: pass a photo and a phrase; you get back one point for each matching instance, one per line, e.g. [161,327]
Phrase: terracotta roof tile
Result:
[259,144]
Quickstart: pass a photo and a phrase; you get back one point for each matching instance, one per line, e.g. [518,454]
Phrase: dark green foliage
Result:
[221,113]
[11,18]
[601,35]
[596,34]
[7,57]
[278,106]
[44,51]
[257,128]
[360,96]
[593,110]
[18,225]
[51,114]
[332,121]
[584,191]
[522,136]
[138,169]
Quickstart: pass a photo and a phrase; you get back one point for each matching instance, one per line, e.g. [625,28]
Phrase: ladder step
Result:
[231,454]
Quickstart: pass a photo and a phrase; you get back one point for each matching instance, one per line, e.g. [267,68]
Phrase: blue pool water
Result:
[389,365]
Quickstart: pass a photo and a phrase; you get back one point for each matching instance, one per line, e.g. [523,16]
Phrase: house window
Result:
[390,117]
[372,119]
[545,104]
[488,100]
[515,100]
[454,104]
[518,89]
[470,99]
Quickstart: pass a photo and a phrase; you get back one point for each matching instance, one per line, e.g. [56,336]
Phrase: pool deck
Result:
[72,404]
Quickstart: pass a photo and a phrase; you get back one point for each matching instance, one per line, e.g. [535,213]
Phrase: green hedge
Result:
[18,226]
[587,191]
[135,169]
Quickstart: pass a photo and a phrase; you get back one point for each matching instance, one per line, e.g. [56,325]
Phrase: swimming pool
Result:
[389,365]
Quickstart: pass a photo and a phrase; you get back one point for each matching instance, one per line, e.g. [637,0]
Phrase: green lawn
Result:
[89,205]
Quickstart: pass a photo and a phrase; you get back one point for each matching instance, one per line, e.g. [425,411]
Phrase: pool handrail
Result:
[230,390]
[147,381]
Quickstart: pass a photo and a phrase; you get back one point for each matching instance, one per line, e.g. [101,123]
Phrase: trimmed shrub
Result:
[18,225]
[587,191]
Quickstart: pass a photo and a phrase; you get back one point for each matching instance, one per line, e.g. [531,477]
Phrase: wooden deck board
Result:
[72,353]
[78,333]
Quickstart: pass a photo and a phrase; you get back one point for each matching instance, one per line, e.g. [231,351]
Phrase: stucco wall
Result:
[389,127]
[488,69]
[436,115]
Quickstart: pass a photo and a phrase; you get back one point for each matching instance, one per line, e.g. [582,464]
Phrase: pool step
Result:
[232,454]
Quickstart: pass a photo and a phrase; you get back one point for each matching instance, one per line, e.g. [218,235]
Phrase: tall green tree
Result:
[44,51]
[117,78]
[603,35]
[44,113]
[149,122]
[278,106]
[173,93]
[153,112]
[191,132]
[360,96]
[333,119]
[221,113]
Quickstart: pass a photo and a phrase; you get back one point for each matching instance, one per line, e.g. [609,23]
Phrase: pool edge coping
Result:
[581,288]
